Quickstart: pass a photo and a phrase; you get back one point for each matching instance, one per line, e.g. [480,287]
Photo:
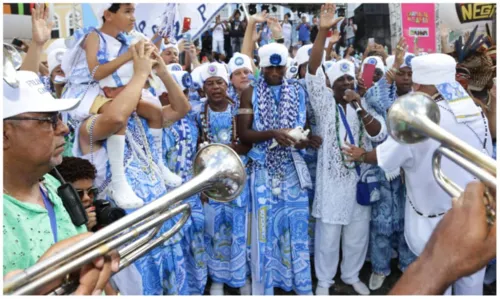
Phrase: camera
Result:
[106,214]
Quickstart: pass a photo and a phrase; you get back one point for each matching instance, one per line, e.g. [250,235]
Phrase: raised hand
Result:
[401,49]
[41,26]
[142,61]
[274,26]
[327,16]
[335,37]
[260,17]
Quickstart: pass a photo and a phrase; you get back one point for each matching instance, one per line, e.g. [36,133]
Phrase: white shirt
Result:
[422,188]
[218,32]
[287,31]
[335,193]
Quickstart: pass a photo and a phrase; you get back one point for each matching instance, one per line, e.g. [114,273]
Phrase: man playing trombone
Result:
[427,203]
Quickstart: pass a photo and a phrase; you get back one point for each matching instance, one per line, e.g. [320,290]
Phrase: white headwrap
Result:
[164,46]
[56,44]
[439,70]
[55,58]
[406,62]
[377,61]
[196,76]
[123,73]
[339,69]
[303,54]
[214,69]
[183,79]
[174,67]
[239,61]
[291,71]
[273,54]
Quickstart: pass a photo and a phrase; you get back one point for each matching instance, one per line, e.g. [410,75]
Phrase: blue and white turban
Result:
[273,54]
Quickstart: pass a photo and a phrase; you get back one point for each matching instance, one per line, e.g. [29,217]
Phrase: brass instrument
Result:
[12,61]
[414,118]
[218,172]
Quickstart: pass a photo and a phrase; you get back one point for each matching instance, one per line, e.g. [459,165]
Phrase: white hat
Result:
[55,58]
[328,64]
[174,67]
[433,69]
[31,96]
[339,69]
[196,76]
[99,9]
[273,54]
[377,61]
[182,78]
[56,44]
[239,61]
[164,46]
[303,54]
[214,69]
[120,77]
[406,63]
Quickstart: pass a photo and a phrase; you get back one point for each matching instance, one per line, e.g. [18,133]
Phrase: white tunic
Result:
[335,193]
[423,190]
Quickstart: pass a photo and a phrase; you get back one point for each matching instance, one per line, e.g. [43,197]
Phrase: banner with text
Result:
[150,16]
[419,26]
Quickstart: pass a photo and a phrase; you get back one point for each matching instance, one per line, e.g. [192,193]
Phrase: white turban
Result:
[273,54]
[120,77]
[196,76]
[183,79]
[55,58]
[214,69]
[433,69]
[339,69]
[303,54]
[377,61]
[239,61]
[406,62]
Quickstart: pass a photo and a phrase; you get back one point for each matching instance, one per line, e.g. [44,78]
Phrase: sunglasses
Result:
[53,119]
[91,192]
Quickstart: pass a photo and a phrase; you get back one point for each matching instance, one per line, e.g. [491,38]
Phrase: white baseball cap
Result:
[31,96]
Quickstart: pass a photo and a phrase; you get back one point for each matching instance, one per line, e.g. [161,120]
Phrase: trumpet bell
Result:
[404,115]
[223,160]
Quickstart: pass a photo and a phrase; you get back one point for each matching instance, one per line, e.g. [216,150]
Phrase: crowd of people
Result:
[114,114]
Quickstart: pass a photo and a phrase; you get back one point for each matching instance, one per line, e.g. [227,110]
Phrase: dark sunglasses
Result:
[53,119]
[91,192]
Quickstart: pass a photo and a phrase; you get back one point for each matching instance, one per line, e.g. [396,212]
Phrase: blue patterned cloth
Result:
[280,252]
[163,269]
[387,221]
[180,143]
[226,243]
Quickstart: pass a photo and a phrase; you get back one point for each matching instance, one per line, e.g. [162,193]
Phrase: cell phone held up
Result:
[368,72]
[186,26]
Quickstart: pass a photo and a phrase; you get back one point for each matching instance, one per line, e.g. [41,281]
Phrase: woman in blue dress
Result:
[226,228]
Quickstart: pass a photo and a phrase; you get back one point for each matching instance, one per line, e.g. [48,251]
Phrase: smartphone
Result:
[368,72]
[187,24]
[187,39]
[371,41]
[17,42]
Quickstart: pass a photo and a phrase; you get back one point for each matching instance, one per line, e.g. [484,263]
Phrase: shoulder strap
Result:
[52,215]
[349,133]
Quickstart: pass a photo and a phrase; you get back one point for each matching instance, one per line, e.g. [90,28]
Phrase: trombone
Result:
[414,118]
[219,173]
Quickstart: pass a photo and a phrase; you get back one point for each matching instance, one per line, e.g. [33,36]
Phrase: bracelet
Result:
[367,114]
[245,111]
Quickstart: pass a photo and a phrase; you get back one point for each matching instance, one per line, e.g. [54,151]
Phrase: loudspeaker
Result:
[372,21]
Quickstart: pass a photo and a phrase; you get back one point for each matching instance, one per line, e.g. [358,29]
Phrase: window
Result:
[72,22]
[55,29]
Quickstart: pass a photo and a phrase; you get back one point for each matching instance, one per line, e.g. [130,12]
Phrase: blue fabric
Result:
[180,145]
[52,215]
[163,269]
[304,33]
[387,221]
[282,259]
[227,247]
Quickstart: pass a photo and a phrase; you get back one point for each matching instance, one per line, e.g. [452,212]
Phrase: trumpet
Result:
[414,118]
[218,172]
[12,61]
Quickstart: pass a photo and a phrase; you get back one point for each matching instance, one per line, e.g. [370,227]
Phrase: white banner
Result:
[149,17]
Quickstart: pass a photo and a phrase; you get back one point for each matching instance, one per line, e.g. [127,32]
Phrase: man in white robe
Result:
[434,75]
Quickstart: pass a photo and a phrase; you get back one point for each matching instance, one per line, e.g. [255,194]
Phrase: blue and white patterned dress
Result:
[387,222]
[280,252]
[226,233]
[180,143]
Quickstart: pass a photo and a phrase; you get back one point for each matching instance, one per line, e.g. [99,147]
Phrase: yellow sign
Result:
[473,12]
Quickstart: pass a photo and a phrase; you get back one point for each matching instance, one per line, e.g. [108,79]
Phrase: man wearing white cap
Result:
[340,212]
[434,75]
[240,73]
[36,222]
[226,241]
[278,179]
